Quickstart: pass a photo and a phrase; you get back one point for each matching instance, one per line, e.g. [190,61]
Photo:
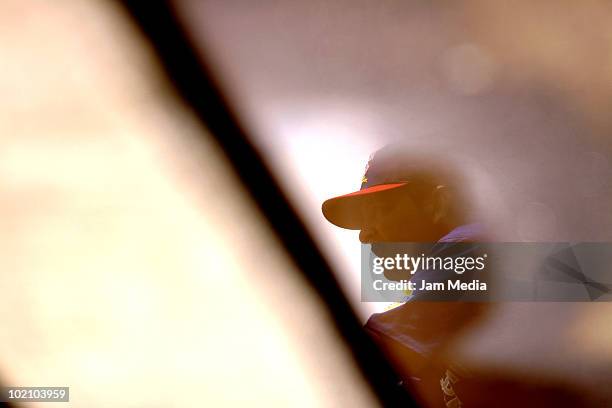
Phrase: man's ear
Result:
[441,203]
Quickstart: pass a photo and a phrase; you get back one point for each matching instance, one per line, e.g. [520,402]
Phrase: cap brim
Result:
[345,211]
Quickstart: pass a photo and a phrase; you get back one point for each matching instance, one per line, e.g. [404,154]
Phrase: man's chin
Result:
[386,249]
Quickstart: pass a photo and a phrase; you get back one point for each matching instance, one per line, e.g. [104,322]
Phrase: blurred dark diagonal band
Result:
[192,79]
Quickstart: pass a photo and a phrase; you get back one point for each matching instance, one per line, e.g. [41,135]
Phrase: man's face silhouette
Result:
[401,215]
[389,217]
[404,197]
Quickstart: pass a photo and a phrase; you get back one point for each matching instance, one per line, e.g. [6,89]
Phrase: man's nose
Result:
[367,235]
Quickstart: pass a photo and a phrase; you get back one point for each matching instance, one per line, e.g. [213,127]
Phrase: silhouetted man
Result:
[408,198]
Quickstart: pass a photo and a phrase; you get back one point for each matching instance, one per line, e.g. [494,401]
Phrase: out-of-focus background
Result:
[517,94]
[132,267]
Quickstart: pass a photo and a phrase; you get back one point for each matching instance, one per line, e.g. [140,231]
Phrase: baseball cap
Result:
[388,169]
